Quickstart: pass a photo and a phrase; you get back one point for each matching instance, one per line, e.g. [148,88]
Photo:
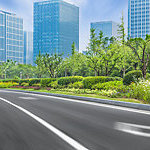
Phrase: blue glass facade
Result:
[109,28]
[56,27]
[138,18]
[11,37]
[28,47]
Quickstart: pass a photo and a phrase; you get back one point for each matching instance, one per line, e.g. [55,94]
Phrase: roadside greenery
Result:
[113,67]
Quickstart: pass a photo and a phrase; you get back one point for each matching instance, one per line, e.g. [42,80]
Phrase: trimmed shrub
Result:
[76,85]
[23,81]
[25,84]
[132,76]
[34,81]
[10,80]
[36,85]
[111,85]
[67,80]
[7,84]
[53,85]
[88,82]
[45,82]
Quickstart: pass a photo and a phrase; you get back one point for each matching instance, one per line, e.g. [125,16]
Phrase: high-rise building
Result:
[56,27]
[11,37]
[138,18]
[28,47]
[109,28]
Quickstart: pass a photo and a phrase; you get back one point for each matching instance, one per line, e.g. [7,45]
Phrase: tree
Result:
[40,65]
[121,33]
[73,48]
[94,52]
[5,66]
[110,56]
[141,50]
[51,63]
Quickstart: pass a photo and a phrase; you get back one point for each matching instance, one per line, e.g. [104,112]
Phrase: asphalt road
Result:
[95,127]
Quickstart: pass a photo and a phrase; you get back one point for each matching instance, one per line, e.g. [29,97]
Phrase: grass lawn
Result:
[83,95]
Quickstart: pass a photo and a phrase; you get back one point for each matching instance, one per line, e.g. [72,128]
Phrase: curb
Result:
[87,99]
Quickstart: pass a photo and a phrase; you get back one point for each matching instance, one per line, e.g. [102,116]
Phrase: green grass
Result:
[83,95]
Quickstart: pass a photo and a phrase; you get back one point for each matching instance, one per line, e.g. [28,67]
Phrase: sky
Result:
[90,11]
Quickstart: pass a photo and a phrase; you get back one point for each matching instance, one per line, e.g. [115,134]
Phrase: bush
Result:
[88,82]
[54,85]
[36,85]
[111,85]
[23,81]
[7,84]
[34,81]
[10,80]
[132,76]
[67,80]
[141,90]
[46,82]
[25,84]
[76,85]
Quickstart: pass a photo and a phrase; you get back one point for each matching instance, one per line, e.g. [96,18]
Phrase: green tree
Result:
[141,49]
[40,65]
[121,36]
[52,63]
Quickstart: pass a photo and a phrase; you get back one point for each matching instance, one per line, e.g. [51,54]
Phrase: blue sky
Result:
[90,11]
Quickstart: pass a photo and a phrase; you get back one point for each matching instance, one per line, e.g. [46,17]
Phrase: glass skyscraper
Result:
[11,37]
[109,28]
[138,18]
[28,47]
[56,27]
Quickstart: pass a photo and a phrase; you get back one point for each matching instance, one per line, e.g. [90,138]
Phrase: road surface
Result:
[40,122]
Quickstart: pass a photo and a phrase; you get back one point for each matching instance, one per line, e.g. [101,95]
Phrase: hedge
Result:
[88,82]
[34,81]
[132,76]
[46,81]
[10,80]
[64,81]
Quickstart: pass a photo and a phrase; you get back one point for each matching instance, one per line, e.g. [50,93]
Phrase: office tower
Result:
[138,18]
[11,37]
[109,28]
[28,47]
[56,27]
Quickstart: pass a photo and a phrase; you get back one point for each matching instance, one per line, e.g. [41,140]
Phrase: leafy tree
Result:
[141,50]
[40,65]
[121,36]
[52,63]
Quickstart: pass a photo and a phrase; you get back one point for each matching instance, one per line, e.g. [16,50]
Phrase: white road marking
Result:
[63,136]
[84,102]
[132,129]
[28,98]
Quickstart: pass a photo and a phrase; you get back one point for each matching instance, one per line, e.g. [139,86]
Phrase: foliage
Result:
[88,82]
[141,50]
[36,85]
[34,81]
[54,85]
[67,80]
[141,90]
[132,76]
[46,81]
[51,63]
[25,84]
[76,85]
[111,85]
[7,84]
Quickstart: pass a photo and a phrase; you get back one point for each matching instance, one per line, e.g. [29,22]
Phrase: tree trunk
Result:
[144,70]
